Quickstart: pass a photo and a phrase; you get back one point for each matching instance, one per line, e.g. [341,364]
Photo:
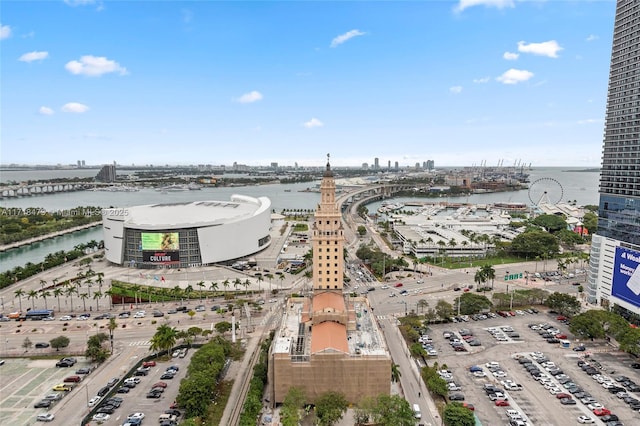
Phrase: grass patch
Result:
[216,410]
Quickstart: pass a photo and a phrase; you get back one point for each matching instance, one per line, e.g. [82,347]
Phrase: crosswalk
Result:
[140,343]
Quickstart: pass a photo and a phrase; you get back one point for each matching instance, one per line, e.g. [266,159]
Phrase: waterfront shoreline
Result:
[18,244]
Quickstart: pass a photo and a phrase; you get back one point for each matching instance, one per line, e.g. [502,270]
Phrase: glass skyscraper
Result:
[615,252]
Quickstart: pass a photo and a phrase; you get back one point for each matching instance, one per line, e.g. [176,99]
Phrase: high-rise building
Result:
[614,276]
[329,340]
[397,166]
[107,174]
[376,163]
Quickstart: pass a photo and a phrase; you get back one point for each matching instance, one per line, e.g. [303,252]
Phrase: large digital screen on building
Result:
[626,276]
[152,241]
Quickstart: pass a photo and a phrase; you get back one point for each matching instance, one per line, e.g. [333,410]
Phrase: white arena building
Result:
[179,235]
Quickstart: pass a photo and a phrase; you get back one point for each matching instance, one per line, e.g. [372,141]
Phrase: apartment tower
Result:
[614,276]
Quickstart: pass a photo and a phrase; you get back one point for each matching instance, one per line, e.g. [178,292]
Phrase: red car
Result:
[466,290]
[149,364]
[563,395]
[159,385]
[561,336]
[468,406]
[502,403]
[398,285]
[561,318]
[601,412]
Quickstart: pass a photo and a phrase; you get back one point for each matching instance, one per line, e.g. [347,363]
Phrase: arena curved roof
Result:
[195,214]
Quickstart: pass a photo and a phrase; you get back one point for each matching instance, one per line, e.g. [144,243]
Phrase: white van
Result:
[416,411]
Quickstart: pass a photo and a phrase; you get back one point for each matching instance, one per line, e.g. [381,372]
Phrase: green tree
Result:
[455,414]
[330,407]
[362,230]
[395,373]
[59,342]
[164,339]
[222,327]
[95,351]
[534,243]
[565,304]
[44,294]
[393,410]
[590,221]
[19,293]
[444,309]
[111,327]
[422,304]
[291,407]
[550,222]
[57,292]
[471,303]
[33,295]
[588,325]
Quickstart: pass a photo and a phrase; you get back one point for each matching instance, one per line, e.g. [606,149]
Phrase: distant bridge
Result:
[27,190]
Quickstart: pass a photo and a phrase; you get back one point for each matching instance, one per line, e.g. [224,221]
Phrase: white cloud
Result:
[482,80]
[498,4]
[5,31]
[33,56]
[546,48]
[250,97]
[346,36]
[45,110]
[510,56]
[75,107]
[592,37]
[314,122]
[94,66]
[455,89]
[514,76]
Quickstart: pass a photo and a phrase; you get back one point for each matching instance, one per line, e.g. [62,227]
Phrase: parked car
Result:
[149,364]
[72,379]
[41,345]
[93,401]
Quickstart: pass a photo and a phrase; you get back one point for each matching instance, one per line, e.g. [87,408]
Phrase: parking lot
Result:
[26,382]
[504,340]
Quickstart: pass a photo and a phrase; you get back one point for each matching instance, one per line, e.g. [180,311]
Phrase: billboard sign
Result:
[161,257]
[152,241]
[626,276]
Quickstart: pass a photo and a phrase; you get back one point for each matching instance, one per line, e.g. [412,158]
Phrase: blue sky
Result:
[211,82]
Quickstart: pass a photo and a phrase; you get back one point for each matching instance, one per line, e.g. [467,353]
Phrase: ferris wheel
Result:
[545,190]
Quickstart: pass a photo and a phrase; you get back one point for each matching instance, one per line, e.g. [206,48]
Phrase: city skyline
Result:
[457,82]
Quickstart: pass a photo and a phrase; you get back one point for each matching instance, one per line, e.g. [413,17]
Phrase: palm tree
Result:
[422,303]
[188,290]
[269,277]
[32,294]
[19,293]
[57,292]
[236,283]
[42,284]
[246,284]
[489,273]
[479,278]
[225,284]
[84,297]
[201,285]
[164,339]
[260,279]
[395,373]
[69,291]
[213,286]
[100,279]
[96,296]
[112,326]
[135,288]
[281,276]
[110,293]
[44,295]
[88,282]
